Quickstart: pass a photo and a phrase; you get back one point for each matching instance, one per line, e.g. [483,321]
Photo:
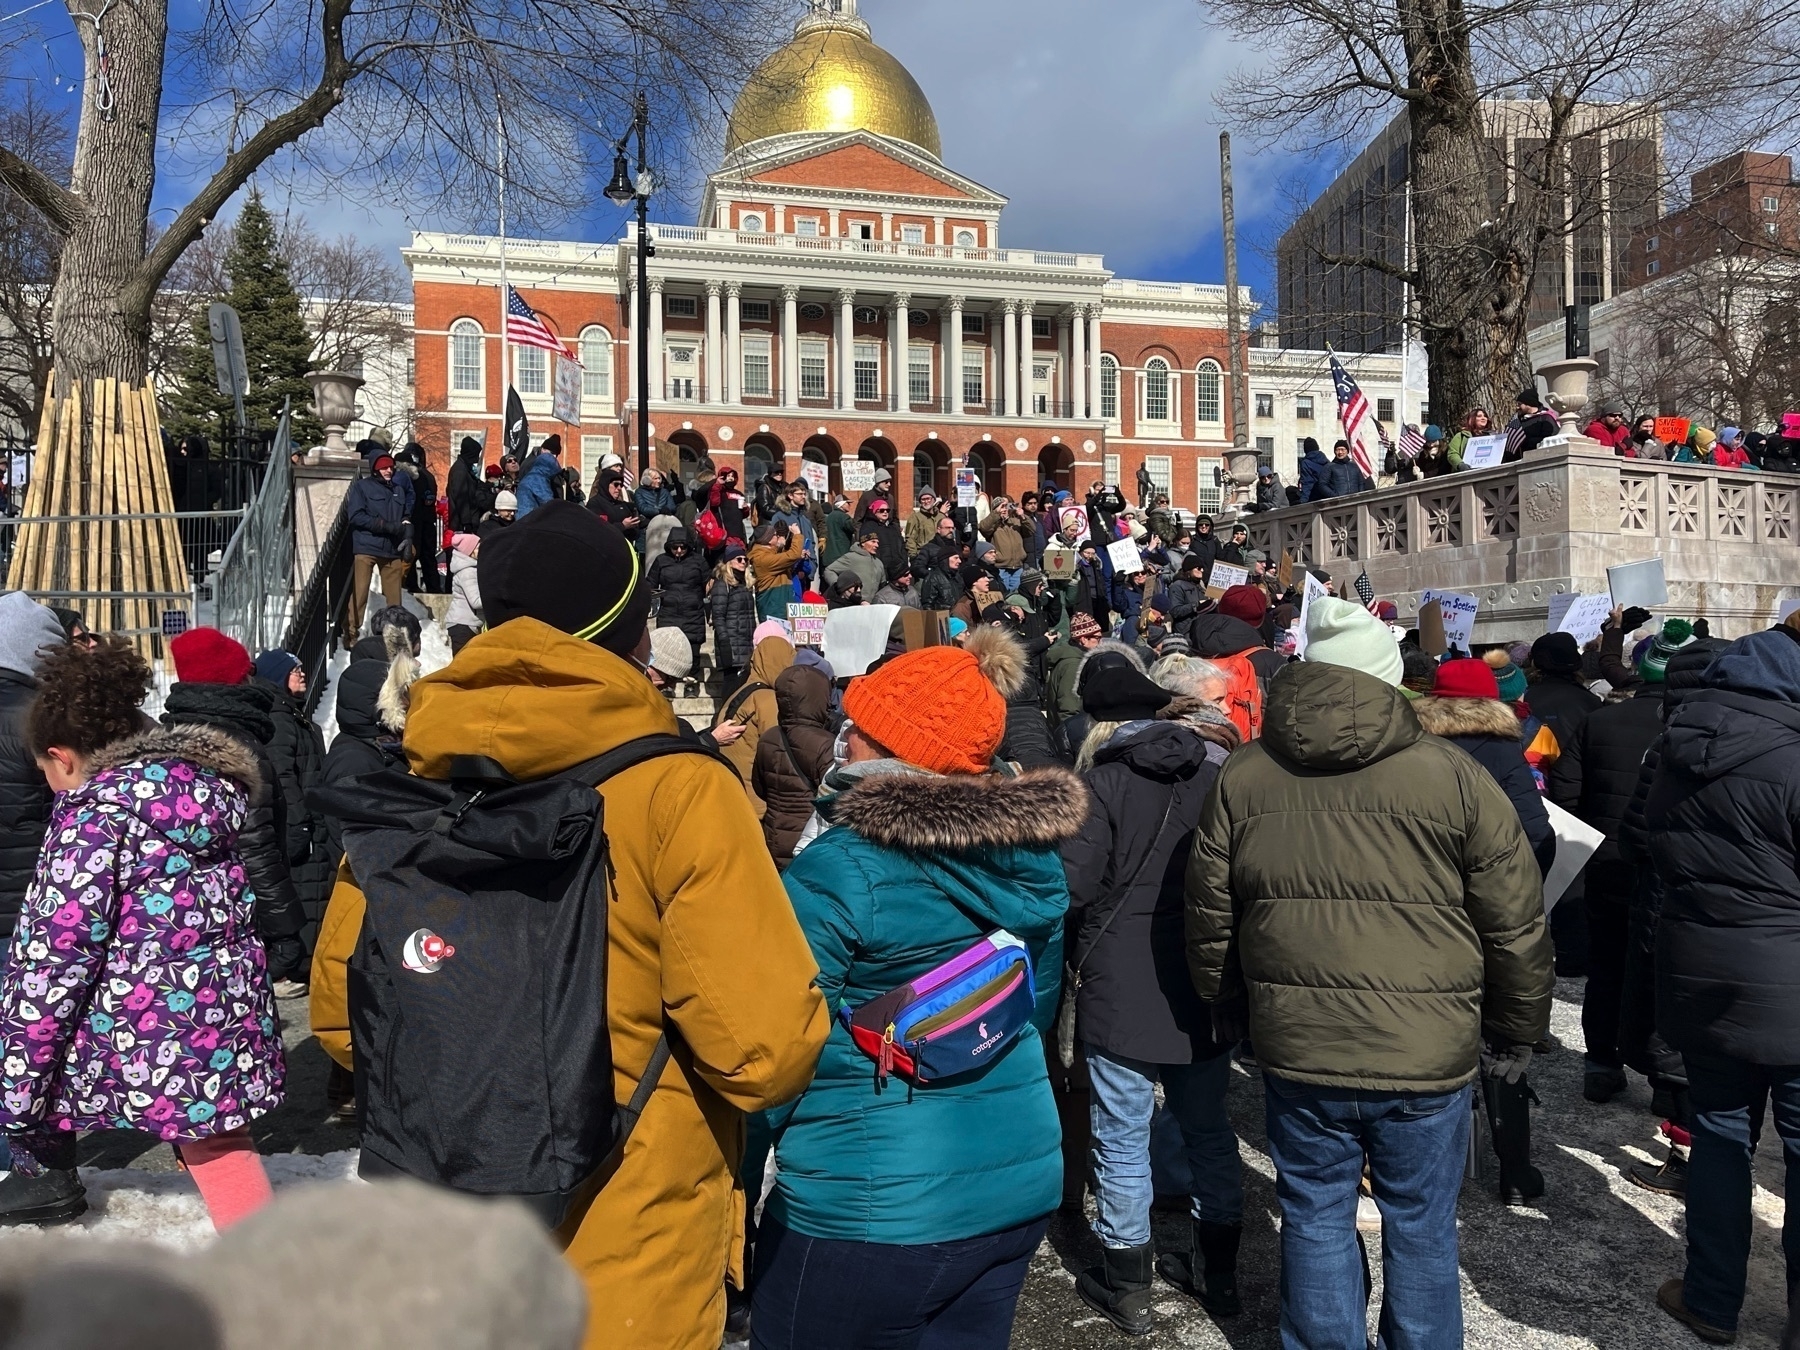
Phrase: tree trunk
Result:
[101,303]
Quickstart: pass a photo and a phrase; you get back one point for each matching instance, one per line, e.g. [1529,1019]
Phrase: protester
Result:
[922,525]
[462,619]
[142,875]
[297,752]
[900,1213]
[1643,443]
[1270,495]
[731,602]
[891,543]
[541,480]
[753,705]
[774,558]
[701,940]
[840,531]
[1477,423]
[677,580]
[28,633]
[1530,427]
[373,692]
[1341,857]
[470,496]
[1433,460]
[1559,698]
[613,505]
[1136,1015]
[424,573]
[379,509]
[793,757]
[1313,469]
[862,562]
[1609,427]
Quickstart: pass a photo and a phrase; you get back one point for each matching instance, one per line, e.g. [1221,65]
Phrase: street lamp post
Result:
[624,188]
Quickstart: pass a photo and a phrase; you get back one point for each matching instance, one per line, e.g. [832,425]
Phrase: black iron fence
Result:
[318,611]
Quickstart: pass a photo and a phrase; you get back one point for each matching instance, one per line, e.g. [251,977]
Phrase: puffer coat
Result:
[733,610]
[793,758]
[297,753]
[24,796]
[681,585]
[1489,732]
[1596,775]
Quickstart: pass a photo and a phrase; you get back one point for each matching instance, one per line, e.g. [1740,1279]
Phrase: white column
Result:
[1026,387]
[898,327]
[780,217]
[1009,356]
[846,353]
[658,392]
[790,346]
[1059,392]
[715,392]
[953,358]
[729,391]
[632,354]
[1093,357]
[937,230]
[1077,377]
[887,226]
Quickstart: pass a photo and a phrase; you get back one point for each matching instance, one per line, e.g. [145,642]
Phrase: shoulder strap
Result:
[737,699]
[1121,892]
[597,770]
[799,768]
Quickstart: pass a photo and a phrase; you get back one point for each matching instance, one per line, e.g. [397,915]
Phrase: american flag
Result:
[1412,441]
[525,328]
[1365,590]
[1353,408]
[1515,437]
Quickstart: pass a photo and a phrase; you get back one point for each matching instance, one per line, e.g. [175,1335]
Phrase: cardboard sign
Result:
[858,476]
[1584,617]
[1431,629]
[816,477]
[1225,575]
[565,401]
[1059,564]
[856,637]
[808,624]
[1125,557]
[1576,842]
[924,628]
[1638,583]
[1671,430]
[1484,452]
[1459,615]
[1285,572]
[968,487]
[1314,589]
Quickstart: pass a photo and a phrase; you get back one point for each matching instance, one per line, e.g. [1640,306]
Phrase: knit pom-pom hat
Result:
[1654,664]
[937,708]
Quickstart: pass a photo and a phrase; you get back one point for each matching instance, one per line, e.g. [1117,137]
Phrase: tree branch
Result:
[60,207]
[1381,265]
[281,130]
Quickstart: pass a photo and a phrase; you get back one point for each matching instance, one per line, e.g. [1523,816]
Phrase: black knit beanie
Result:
[1556,654]
[1120,692]
[566,567]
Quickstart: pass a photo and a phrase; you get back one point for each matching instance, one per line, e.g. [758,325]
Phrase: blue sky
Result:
[1099,122]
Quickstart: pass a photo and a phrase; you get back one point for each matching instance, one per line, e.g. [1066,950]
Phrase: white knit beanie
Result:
[1343,633]
[671,652]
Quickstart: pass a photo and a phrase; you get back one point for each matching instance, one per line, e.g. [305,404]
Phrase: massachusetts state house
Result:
[844,295]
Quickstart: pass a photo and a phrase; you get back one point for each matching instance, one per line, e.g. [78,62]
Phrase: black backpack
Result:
[477,989]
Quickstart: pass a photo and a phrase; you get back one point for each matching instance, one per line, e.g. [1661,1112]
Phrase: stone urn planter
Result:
[1567,382]
[334,399]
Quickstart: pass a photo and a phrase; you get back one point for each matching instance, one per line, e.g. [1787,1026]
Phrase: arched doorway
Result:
[989,461]
[931,470]
[824,450]
[1056,464]
[880,452]
[691,453]
[764,455]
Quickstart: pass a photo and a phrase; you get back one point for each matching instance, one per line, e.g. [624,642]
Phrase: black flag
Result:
[516,439]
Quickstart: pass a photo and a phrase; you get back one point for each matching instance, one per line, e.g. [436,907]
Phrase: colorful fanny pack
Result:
[953,1019]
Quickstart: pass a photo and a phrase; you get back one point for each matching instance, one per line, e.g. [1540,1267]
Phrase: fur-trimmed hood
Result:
[963,813]
[1451,717]
[202,746]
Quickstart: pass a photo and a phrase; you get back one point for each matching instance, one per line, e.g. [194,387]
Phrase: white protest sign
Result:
[565,400]
[1638,583]
[1785,608]
[1575,844]
[1585,617]
[807,623]
[817,478]
[968,487]
[1459,615]
[856,636]
[1125,557]
[1484,452]
[858,474]
[1559,606]
[1312,589]
[1074,515]
[1225,575]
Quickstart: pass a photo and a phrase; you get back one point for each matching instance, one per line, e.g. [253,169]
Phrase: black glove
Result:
[1230,1021]
[1635,618]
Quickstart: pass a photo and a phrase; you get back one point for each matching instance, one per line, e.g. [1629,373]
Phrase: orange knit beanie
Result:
[933,708]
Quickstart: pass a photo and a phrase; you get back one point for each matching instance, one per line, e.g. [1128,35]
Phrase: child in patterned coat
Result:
[135,994]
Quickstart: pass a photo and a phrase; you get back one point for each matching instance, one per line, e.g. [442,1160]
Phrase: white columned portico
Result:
[1093,356]
[1077,380]
[655,355]
[729,392]
[953,357]
[846,353]
[897,331]
[714,392]
[1027,386]
[1009,356]
[790,346]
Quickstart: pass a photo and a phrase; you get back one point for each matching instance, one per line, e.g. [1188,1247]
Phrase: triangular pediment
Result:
[856,161]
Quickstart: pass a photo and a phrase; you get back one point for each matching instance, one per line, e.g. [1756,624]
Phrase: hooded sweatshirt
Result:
[25,627]
[793,758]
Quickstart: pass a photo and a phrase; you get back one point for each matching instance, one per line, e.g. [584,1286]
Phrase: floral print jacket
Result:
[135,994]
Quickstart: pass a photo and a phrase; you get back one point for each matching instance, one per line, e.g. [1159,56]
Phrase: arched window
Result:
[758,464]
[1109,388]
[465,357]
[1156,390]
[596,363]
[1208,406]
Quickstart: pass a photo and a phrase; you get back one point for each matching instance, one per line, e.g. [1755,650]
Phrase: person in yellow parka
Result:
[701,937]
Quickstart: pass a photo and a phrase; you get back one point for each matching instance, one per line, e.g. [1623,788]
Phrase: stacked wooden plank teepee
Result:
[83,540]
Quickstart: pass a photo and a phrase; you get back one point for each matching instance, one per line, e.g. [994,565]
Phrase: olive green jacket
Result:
[1371,890]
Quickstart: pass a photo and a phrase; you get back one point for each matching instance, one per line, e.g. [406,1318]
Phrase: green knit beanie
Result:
[1676,634]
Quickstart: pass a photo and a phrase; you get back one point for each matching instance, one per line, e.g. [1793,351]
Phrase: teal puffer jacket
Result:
[915,869]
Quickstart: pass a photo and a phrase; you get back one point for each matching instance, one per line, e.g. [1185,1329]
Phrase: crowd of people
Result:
[893,963]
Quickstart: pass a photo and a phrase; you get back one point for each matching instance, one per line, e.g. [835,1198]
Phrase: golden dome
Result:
[832,78]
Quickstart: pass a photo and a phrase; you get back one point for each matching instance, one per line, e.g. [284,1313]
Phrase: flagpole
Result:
[505,350]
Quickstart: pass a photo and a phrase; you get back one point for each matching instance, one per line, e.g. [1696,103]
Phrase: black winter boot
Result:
[1209,1271]
[53,1196]
[1509,1114]
[1119,1288]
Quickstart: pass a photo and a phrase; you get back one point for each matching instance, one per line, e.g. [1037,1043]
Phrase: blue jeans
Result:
[1726,1096]
[826,1294]
[1417,1145]
[1124,1097]
[1009,578]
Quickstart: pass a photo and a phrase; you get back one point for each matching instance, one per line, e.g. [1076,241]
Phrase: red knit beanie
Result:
[1248,603]
[207,656]
[1467,678]
[933,708]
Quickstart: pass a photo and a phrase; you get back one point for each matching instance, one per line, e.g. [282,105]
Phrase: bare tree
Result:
[349,293]
[1573,73]
[29,251]
[405,95]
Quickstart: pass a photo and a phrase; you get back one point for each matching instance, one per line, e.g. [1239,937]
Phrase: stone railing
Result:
[1517,535]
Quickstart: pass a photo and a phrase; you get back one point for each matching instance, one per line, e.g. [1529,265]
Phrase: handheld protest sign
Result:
[1457,611]
[1125,556]
[1059,564]
[1285,572]
[1672,430]
[807,623]
[1638,583]
[1431,629]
